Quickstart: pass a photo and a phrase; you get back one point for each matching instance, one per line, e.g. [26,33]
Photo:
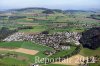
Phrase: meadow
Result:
[27,45]
[56,22]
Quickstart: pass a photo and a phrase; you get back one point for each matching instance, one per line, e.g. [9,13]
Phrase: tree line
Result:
[4,32]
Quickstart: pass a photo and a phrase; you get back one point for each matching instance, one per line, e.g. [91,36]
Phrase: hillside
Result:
[48,33]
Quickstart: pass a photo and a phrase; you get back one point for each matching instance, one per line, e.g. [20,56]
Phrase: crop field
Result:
[57,18]
[26,58]
[36,29]
[26,45]
[33,22]
[89,52]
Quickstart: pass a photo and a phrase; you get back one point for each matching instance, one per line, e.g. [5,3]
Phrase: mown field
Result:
[29,58]
[88,53]
[27,45]
[36,29]
[24,44]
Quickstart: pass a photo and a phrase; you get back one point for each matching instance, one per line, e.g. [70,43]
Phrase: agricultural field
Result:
[30,23]
[25,59]
[25,45]
[69,20]
[88,53]
[36,29]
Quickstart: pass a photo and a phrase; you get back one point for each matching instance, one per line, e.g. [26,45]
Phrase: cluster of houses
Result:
[15,37]
[52,40]
[58,41]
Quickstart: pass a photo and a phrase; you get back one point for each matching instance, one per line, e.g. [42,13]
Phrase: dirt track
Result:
[74,60]
[21,50]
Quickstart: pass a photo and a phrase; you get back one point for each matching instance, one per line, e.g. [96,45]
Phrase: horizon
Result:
[51,4]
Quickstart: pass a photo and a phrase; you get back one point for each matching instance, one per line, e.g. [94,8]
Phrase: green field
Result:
[35,29]
[57,18]
[90,52]
[24,44]
[31,58]
[27,45]
[63,53]
[11,61]
[56,22]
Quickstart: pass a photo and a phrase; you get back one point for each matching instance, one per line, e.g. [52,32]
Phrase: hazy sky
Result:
[53,4]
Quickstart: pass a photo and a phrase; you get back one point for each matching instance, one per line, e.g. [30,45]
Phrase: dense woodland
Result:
[4,32]
[91,38]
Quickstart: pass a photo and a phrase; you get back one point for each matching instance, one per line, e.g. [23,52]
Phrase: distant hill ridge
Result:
[40,8]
